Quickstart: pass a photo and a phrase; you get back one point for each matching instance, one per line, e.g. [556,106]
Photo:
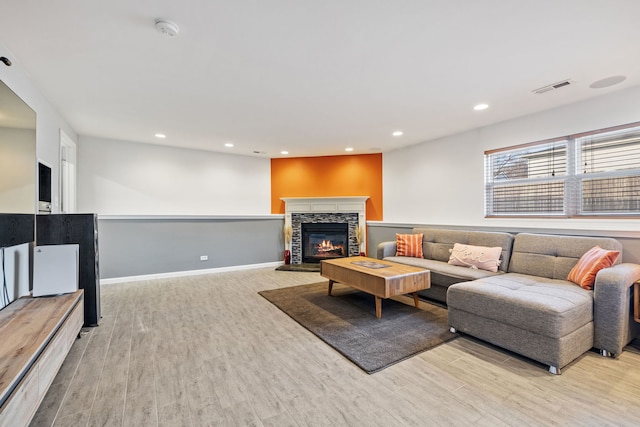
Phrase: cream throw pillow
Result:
[478,257]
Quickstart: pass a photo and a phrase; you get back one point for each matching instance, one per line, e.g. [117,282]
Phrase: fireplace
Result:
[335,212]
[324,241]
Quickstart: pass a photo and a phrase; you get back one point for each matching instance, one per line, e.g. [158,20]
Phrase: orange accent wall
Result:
[356,175]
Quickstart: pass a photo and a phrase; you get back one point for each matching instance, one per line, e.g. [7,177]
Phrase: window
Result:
[591,174]
[609,172]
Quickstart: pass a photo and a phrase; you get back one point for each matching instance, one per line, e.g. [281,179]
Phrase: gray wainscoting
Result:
[148,245]
[381,232]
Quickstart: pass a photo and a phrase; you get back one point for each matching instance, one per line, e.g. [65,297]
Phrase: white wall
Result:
[16,263]
[441,182]
[17,170]
[48,125]
[128,178]
[48,120]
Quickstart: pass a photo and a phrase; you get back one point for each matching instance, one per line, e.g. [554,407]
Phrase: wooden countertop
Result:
[26,327]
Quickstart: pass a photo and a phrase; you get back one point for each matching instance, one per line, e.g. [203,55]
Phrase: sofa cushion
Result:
[439,268]
[553,256]
[437,243]
[594,260]
[471,256]
[409,245]
[553,308]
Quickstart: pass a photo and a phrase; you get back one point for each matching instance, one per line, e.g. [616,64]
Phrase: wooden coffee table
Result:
[382,279]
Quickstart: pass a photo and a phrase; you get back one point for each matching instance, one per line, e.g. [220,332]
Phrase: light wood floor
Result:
[208,350]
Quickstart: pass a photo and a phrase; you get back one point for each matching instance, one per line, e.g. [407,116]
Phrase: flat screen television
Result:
[44,188]
[44,183]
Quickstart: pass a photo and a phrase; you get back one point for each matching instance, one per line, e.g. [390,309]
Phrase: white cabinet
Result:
[55,269]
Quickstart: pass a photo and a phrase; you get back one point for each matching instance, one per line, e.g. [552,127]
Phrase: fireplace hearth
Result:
[324,241]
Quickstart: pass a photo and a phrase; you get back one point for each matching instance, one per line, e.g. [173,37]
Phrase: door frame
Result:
[68,173]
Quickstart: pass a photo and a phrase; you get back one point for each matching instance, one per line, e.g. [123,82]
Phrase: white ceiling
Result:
[313,77]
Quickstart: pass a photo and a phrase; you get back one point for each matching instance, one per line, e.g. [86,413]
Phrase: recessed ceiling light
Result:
[348,149]
[397,133]
[228,144]
[481,107]
[161,135]
[284,152]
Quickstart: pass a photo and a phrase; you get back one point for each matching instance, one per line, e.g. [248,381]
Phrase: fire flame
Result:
[326,249]
[326,245]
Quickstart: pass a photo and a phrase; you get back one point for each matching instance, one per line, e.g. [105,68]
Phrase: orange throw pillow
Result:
[409,245]
[594,260]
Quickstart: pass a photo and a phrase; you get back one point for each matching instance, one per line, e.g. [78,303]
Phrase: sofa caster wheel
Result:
[554,370]
[452,330]
[605,353]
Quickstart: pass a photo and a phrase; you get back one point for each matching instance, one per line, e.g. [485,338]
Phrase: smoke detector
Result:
[166,28]
[554,86]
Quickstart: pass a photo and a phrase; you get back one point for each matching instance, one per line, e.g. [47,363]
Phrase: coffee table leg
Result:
[416,299]
[331,282]
[378,307]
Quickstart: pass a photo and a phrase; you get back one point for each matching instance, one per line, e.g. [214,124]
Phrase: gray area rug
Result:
[347,322]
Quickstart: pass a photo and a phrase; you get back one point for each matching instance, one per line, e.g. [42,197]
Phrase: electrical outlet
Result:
[204,257]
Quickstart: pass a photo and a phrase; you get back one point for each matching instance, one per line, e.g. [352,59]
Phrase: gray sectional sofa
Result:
[528,306]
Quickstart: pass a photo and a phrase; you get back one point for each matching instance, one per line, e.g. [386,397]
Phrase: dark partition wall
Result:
[16,229]
[81,229]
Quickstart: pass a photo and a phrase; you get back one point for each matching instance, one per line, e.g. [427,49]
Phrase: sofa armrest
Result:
[613,322]
[386,249]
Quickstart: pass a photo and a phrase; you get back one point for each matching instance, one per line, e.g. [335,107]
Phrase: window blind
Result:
[609,172]
[527,180]
[591,174]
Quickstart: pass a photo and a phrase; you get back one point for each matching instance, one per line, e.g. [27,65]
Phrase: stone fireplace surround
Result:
[350,209]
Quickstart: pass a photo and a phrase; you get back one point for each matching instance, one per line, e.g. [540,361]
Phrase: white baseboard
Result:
[188,273]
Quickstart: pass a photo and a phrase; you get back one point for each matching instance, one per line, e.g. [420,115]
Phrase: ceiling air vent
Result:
[553,86]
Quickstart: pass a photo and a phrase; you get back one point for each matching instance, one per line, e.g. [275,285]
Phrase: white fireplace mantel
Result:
[323,205]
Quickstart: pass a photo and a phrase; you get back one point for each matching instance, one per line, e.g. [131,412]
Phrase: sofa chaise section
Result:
[547,320]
